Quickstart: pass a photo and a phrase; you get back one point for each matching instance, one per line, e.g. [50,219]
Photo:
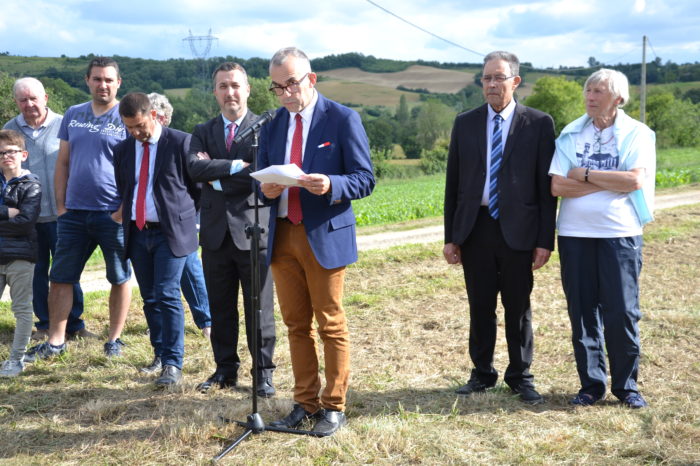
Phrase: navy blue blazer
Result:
[175,194]
[336,146]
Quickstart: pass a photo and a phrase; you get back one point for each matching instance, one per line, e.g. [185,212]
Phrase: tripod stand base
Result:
[254,425]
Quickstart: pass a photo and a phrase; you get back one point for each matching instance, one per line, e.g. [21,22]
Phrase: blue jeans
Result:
[601,282]
[79,233]
[46,248]
[158,274]
[195,291]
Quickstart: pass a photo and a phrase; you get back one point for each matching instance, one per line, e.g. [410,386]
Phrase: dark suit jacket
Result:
[527,207]
[174,193]
[232,209]
[328,220]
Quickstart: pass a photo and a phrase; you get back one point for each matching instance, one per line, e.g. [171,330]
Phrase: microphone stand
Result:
[254,423]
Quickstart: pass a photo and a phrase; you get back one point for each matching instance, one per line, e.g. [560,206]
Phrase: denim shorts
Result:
[79,233]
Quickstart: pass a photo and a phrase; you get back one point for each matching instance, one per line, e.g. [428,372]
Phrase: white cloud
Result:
[544,32]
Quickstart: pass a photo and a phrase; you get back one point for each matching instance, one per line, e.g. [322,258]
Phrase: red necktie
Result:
[294,205]
[141,193]
[231,133]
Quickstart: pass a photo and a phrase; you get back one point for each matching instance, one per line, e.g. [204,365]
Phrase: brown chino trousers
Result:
[306,290]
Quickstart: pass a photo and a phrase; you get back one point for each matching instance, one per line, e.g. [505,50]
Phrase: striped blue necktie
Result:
[496,159]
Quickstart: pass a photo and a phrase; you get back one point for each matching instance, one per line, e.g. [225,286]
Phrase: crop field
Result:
[411,199]
[414,77]
[357,93]
[677,167]
[401,200]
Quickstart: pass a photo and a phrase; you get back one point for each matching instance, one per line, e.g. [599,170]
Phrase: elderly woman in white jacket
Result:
[604,170]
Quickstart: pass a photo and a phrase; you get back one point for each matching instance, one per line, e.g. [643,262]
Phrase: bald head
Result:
[31,100]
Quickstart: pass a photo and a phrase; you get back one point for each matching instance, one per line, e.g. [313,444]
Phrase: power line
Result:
[424,30]
[652,48]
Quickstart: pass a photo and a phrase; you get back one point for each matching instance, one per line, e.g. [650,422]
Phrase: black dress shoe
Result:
[528,394]
[293,419]
[265,389]
[329,422]
[152,368]
[473,386]
[219,380]
[169,377]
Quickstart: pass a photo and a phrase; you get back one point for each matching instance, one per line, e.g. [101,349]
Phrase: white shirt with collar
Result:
[307,115]
[228,122]
[151,211]
[507,115]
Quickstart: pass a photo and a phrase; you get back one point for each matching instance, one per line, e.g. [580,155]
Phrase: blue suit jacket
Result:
[174,193]
[328,220]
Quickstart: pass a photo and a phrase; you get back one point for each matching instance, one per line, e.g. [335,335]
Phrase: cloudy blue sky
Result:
[545,32]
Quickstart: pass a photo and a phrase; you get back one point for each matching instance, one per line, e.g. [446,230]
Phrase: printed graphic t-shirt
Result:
[91,183]
[603,214]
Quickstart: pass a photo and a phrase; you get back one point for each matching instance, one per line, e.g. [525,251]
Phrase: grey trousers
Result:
[18,275]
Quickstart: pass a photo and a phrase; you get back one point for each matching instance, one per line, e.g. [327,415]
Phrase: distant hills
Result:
[351,78]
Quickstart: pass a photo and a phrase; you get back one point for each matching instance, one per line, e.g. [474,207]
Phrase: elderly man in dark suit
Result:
[159,217]
[312,231]
[228,201]
[499,220]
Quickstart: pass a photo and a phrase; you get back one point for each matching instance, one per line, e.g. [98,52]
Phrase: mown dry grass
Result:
[409,325]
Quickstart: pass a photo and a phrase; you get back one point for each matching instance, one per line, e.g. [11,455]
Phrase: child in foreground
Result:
[20,202]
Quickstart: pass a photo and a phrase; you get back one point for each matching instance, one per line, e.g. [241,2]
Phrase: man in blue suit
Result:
[160,224]
[312,231]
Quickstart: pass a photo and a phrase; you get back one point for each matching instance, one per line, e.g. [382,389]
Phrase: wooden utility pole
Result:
[643,83]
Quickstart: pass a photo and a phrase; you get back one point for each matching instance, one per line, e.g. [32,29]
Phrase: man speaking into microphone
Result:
[312,231]
[221,163]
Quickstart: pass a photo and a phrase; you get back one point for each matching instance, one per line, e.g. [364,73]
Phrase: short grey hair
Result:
[27,83]
[617,84]
[282,55]
[162,106]
[510,58]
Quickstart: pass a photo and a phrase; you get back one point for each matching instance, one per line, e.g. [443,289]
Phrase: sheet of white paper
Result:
[286,175]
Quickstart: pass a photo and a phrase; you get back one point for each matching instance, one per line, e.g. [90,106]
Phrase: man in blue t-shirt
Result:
[86,195]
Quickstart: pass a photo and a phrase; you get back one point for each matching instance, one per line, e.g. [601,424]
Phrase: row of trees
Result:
[673,114]
[423,130]
[418,131]
[197,106]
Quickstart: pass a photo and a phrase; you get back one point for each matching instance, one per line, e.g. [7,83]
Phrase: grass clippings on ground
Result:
[409,326]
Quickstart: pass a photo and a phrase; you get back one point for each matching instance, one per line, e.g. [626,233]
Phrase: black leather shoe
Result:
[219,380]
[329,422]
[152,368]
[170,376]
[293,419]
[528,394]
[265,389]
[473,386]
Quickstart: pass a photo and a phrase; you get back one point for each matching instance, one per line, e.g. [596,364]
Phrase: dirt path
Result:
[435,233]
[95,280]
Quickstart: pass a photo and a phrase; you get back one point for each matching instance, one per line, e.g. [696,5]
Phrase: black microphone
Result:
[257,124]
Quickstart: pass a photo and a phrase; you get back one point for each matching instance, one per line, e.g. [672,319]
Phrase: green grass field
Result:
[402,200]
[408,319]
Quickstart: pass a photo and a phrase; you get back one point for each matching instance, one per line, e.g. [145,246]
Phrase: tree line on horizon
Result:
[418,131]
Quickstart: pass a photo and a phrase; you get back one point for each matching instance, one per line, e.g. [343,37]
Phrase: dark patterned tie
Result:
[496,159]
